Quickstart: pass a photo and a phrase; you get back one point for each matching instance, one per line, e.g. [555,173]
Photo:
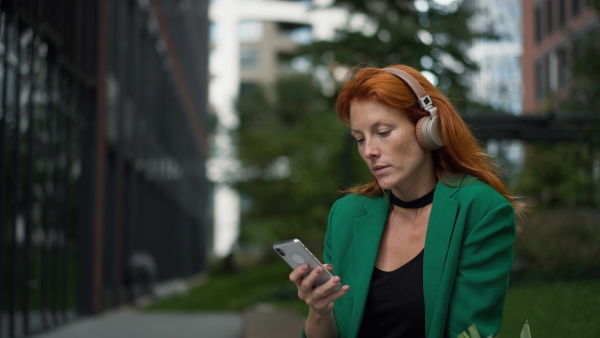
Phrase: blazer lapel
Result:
[439,233]
[368,230]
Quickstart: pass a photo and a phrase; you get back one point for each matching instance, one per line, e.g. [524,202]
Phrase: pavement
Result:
[260,321]
[131,323]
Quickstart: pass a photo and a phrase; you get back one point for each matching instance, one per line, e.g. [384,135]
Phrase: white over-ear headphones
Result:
[429,128]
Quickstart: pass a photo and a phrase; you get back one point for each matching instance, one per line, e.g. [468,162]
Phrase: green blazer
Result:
[467,259]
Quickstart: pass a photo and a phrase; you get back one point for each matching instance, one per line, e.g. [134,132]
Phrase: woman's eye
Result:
[384,133]
[360,140]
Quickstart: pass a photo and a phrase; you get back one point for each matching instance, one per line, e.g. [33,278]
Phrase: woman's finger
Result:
[309,281]
[329,267]
[297,274]
[323,300]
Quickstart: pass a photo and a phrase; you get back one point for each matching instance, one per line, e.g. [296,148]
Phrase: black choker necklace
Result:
[414,204]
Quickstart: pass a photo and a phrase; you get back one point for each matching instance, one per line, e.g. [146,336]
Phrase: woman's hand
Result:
[318,298]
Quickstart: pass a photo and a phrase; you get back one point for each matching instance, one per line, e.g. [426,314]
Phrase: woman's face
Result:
[388,145]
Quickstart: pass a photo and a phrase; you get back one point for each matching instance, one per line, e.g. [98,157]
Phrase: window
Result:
[249,57]
[213,32]
[590,37]
[576,49]
[563,66]
[552,63]
[549,16]
[562,13]
[538,24]
[539,91]
[575,8]
[250,31]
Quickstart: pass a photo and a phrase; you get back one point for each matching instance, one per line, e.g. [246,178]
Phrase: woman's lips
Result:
[379,169]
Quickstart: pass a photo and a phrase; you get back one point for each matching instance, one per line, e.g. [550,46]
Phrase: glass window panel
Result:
[251,31]
[249,57]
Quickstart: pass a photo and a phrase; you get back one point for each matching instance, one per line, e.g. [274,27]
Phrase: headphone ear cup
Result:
[428,131]
[419,132]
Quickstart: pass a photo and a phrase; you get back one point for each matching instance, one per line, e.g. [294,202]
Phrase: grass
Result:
[236,292]
[566,309]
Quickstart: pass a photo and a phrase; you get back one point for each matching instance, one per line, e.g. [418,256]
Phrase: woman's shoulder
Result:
[472,190]
[477,199]
[354,204]
[353,200]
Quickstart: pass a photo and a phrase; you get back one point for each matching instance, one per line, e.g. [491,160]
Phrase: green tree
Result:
[290,146]
[295,152]
[422,34]
[559,175]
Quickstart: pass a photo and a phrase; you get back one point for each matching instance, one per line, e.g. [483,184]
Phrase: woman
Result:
[425,248]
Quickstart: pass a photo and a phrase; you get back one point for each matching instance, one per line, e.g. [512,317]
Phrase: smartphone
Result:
[295,254]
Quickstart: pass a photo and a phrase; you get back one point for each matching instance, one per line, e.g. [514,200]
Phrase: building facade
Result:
[103,124]
[553,32]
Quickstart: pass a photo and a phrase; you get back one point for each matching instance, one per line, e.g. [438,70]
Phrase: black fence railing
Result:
[102,149]
[572,127]
[42,118]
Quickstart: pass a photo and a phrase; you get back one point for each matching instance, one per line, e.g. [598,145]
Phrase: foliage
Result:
[558,244]
[296,154]
[473,333]
[422,34]
[584,93]
[525,332]
[291,148]
[559,175]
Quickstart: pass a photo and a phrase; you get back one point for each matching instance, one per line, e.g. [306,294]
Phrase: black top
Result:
[395,304]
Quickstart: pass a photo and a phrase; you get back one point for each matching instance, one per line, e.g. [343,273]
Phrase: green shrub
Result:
[562,244]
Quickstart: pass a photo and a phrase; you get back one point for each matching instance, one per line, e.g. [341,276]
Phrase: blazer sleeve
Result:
[327,240]
[482,274]
[327,245]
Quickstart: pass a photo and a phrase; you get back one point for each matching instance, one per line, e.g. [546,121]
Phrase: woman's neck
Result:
[415,189]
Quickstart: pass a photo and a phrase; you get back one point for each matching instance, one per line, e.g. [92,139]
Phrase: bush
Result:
[558,245]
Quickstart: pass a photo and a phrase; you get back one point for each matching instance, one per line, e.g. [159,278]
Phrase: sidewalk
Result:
[259,323]
[270,323]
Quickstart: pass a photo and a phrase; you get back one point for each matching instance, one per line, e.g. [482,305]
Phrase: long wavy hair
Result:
[461,154]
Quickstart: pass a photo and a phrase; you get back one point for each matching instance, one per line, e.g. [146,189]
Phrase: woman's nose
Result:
[370,149]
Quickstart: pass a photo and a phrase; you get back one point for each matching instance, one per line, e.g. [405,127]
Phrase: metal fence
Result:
[102,148]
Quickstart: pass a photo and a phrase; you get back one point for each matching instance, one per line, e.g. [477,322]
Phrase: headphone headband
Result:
[424,99]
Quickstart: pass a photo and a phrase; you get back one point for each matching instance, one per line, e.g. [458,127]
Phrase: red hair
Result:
[461,153]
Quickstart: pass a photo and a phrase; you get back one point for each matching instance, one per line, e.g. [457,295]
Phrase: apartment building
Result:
[553,35]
